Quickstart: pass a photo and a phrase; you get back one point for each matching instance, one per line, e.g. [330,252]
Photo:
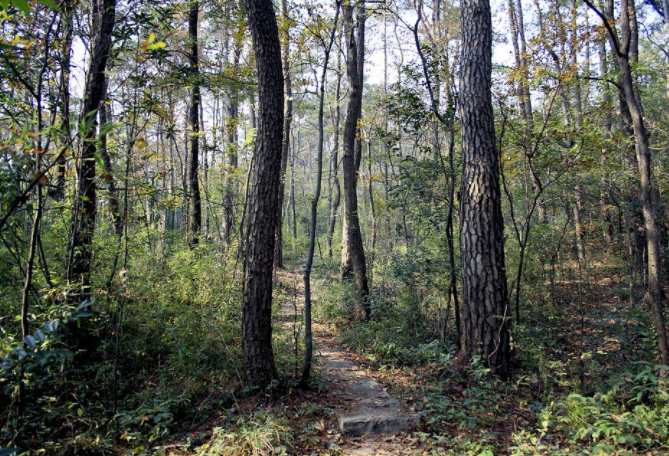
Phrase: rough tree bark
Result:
[259,368]
[484,290]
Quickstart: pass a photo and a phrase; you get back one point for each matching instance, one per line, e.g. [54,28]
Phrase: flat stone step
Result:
[368,421]
[372,411]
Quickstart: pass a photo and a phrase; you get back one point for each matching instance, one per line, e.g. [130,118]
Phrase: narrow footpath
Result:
[368,420]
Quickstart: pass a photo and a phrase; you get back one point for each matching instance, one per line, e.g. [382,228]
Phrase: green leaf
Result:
[5,5]
[22,5]
[157,45]
[80,412]
[106,128]
[50,4]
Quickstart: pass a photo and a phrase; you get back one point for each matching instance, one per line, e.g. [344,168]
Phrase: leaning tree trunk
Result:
[334,206]
[624,49]
[353,254]
[194,206]
[84,207]
[287,120]
[484,290]
[654,295]
[259,368]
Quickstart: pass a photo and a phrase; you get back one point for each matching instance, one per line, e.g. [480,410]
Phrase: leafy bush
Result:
[88,382]
[631,417]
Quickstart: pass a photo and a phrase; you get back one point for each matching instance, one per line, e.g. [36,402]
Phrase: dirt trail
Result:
[368,420]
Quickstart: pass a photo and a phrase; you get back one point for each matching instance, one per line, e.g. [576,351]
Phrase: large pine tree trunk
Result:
[84,207]
[195,205]
[259,368]
[484,290]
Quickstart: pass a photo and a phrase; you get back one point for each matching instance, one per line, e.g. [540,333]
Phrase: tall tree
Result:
[232,156]
[287,121]
[195,205]
[84,207]
[334,164]
[114,202]
[624,48]
[308,339]
[259,365]
[353,253]
[484,290]
[65,54]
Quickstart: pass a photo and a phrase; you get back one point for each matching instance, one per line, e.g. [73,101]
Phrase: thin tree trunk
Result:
[114,203]
[578,209]
[372,212]
[353,254]
[308,339]
[232,156]
[205,169]
[292,185]
[195,205]
[573,62]
[59,192]
[665,7]
[335,162]
[287,120]
[607,229]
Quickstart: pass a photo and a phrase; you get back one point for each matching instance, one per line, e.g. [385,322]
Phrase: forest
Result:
[334,227]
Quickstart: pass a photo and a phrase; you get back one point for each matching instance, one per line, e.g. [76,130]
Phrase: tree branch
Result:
[612,34]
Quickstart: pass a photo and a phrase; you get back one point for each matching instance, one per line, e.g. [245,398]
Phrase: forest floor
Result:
[460,411]
[346,387]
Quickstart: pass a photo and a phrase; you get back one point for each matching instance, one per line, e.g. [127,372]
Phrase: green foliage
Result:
[178,337]
[397,335]
[633,416]
[468,400]
[262,434]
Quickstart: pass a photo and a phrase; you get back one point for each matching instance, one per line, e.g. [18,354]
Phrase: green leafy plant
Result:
[263,434]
